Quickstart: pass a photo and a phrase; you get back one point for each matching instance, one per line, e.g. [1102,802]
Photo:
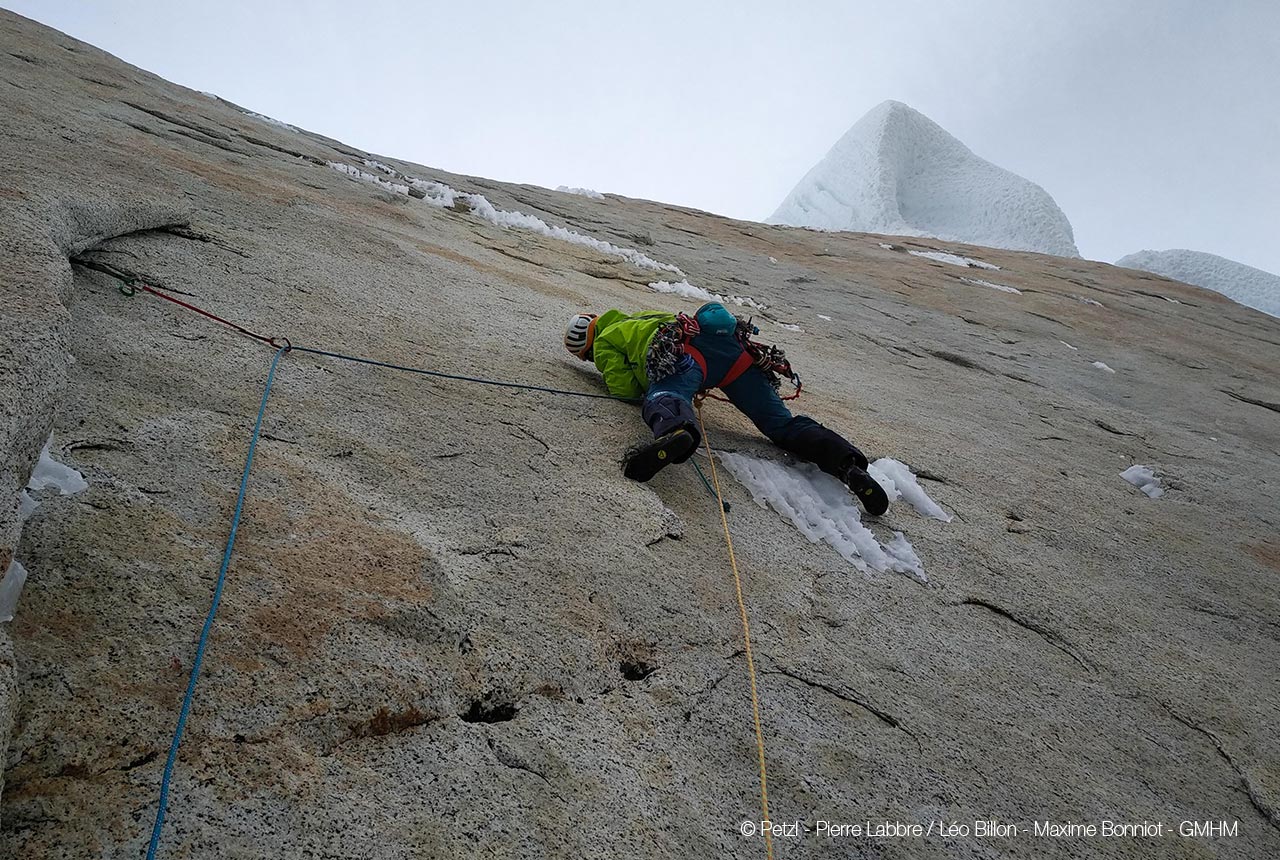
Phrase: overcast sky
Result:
[1153,123]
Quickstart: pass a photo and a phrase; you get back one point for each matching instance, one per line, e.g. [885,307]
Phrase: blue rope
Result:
[235,526]
[464,378]
[213,611]
[706,483]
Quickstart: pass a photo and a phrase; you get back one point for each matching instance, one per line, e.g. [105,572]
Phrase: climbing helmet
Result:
[580,334]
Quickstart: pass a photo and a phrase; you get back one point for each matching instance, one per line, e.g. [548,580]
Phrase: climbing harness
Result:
[131,285]
[771,360]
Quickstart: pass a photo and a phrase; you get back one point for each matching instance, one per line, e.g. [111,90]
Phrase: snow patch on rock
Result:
[1001,287]
[47,474]
[50,473]
[689,291]
[444,197]
[268,119]
[954,259]
[1242,284]
[1144,478]
[900,483]
[823,510]
[581,192]
[11,589]
[898,172]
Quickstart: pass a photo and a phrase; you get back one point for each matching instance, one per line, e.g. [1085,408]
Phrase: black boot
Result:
[825,448]
[645,461]
[868,490]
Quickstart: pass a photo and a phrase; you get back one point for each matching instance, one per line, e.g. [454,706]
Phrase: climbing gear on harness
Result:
[868,490]
[645,461]
[770,358]
[580,334]
[667,354]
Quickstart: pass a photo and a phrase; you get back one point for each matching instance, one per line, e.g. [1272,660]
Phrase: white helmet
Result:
[580,334]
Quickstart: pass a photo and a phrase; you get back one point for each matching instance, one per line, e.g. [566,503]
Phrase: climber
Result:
[665,359]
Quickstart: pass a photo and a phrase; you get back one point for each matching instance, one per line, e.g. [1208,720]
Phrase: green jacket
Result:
[621,347]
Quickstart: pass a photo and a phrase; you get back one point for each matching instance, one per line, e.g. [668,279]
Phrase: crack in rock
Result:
[884,717]
[1111,428]
[957,359]
[506,758]
[1269,812]
[1050,636]
[1265,404]
[124,275]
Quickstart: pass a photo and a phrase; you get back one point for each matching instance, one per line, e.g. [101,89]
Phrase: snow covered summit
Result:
[1238,282]
[898,172]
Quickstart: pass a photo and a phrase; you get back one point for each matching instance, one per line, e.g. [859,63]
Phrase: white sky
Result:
[1153,123]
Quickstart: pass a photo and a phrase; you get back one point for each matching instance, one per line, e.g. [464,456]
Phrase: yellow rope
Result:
[746,638]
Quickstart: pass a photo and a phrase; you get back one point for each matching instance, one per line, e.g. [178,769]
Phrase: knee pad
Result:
[664,412]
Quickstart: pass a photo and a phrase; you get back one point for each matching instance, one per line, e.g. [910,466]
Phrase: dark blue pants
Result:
[668,402]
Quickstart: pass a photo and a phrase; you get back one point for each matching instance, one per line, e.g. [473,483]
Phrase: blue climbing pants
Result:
[668,403]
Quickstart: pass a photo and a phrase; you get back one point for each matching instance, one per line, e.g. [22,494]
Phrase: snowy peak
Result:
[1243,284]
[896,171]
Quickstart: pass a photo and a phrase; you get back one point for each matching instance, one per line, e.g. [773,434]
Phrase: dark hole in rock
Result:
[636,670]
[485,711]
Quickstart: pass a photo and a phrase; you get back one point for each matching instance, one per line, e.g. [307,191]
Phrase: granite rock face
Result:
[452,629]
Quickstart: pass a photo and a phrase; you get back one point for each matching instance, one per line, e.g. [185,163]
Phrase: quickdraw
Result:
[770,358]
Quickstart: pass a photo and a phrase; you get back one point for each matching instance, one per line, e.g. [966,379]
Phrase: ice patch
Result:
[50,473]
[380,167]
[1102,365]
[824,317]
[581,192]
[442,196]
[11,589]
[900,483]
[819,506]
[689,291]
[902,552]
[790,326]
[357,173]
[953,259]
[265,118]
[1088,301]
[436,193]
[26,506]
[1069,346]
[1144,479]
[823,510]
[1001,287]
[886,246]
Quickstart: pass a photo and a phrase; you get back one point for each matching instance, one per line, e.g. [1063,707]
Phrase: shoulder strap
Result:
[739,367]
[698,358]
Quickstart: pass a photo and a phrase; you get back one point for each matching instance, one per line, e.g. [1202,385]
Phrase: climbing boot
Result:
[859,458]
[643,462]
[868,490]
